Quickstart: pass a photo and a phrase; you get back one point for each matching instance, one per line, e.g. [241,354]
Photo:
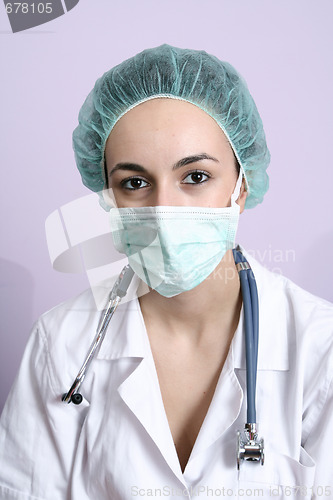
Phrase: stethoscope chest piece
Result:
[75,398]
[249,446]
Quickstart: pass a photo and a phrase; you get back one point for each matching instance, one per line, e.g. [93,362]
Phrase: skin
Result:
[168,152]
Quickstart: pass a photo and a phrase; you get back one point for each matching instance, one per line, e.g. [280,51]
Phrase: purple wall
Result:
[284,51]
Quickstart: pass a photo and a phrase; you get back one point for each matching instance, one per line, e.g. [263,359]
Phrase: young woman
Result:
[173,142]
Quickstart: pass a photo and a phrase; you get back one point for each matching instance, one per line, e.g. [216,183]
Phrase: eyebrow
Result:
[181,163]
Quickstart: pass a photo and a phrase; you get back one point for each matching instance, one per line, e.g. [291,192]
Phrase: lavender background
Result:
[284,51]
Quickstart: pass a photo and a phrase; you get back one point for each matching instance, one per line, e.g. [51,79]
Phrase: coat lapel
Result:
[141,393]
[223,410]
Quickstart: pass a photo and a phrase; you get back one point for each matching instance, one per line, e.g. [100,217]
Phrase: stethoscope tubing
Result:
[251,314]
[255,317]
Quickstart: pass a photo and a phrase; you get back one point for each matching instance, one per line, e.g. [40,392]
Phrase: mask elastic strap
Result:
[235,194]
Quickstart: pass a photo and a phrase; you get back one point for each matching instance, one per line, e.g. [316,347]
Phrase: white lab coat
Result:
[117,444]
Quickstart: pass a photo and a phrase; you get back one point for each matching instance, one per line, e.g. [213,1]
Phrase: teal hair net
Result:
[190,75]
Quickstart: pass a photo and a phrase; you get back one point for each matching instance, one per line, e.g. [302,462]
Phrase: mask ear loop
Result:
[108,200]
[236,193]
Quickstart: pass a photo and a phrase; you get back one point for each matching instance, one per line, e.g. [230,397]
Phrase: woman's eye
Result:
[134,183]
[195,178]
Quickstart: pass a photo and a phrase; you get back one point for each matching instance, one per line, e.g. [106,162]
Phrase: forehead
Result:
[163,117]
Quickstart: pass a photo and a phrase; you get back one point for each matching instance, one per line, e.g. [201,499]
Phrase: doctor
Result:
[175,140]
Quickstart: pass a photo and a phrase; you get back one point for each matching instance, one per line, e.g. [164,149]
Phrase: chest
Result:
[187,379]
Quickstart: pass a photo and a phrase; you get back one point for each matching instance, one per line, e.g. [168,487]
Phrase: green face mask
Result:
[173,249]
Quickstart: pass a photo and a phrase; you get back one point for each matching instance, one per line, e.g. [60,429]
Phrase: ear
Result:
[242,196]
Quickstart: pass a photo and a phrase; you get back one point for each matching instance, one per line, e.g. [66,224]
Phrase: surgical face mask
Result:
[173,249]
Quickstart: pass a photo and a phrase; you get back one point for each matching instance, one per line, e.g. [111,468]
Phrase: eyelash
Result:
[208,176]
[135,177]
[128,179]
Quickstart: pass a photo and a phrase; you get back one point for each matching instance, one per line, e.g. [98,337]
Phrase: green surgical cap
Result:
[190,75]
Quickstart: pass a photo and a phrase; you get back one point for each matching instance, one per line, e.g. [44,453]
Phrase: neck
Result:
[202,311]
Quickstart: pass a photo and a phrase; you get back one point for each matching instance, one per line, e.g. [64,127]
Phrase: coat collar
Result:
[127,335]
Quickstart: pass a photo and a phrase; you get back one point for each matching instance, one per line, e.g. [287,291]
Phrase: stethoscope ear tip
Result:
[77,399]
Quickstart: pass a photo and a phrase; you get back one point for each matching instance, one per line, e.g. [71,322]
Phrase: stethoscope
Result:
[249,446]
